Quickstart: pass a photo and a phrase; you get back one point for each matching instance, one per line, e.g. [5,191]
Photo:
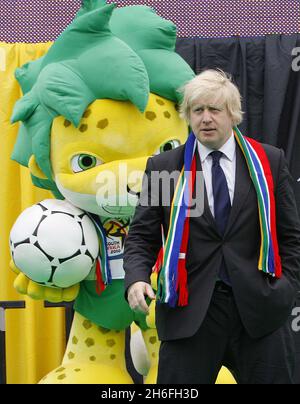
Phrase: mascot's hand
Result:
[25,286]
[150,319]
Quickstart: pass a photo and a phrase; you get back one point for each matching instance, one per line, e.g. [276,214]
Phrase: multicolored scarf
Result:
[172,285]
[103,273]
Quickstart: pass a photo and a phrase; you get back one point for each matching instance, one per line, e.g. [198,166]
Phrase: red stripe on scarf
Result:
[100,286]
[159,261]
[268,174]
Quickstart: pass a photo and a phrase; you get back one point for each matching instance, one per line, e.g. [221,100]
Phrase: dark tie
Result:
[222,204]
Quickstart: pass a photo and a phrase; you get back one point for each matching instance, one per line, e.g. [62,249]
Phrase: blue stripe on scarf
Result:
[263,187]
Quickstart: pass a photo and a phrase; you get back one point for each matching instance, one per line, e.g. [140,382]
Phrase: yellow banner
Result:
[35,339]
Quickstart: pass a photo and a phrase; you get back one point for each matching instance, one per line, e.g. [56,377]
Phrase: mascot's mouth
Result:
[117,210]
[131,192]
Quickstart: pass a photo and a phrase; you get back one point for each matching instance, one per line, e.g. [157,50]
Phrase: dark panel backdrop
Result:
[262,69]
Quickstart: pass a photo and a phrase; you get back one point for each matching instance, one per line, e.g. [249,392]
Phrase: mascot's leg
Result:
[225,377]
[152,343]
[144,347]
[94,355]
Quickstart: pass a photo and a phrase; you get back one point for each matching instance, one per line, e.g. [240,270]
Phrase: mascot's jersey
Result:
[110,309]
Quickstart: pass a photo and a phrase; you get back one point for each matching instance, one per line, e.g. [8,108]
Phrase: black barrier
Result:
[4,305]
[20,304]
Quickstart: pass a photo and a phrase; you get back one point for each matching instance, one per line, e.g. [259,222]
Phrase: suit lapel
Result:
[242,187]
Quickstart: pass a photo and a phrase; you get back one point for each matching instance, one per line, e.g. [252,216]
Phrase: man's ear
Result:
[35,169]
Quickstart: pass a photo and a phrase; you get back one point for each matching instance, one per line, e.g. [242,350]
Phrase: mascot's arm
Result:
[25,286]
[150,319]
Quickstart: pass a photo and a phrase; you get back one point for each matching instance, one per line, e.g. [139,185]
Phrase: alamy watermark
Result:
[296,320]
[296,60]
[153,190]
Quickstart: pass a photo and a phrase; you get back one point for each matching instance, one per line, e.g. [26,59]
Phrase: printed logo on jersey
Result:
[116,232]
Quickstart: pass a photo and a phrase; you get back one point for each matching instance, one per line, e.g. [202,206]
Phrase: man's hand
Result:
[136,296]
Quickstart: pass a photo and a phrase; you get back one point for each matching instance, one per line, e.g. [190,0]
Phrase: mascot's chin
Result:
[115,206]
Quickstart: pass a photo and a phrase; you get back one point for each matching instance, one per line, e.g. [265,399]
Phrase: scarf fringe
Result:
[183,294]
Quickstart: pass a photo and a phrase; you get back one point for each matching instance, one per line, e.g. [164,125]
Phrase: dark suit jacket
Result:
[264,303]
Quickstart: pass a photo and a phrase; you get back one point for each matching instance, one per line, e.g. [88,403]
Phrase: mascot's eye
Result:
[170,145]
[83,162]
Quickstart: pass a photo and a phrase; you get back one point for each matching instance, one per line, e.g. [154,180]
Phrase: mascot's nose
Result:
[130,191]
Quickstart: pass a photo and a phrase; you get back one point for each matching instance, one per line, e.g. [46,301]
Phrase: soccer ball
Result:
[54,243]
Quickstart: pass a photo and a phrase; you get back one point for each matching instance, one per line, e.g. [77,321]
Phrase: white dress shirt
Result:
[227,162]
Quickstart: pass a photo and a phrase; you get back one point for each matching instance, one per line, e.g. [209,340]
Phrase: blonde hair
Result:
[208,86]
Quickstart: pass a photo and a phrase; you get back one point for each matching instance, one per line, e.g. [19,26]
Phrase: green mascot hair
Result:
[106,52]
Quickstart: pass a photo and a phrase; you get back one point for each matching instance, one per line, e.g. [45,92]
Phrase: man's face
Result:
[211,123]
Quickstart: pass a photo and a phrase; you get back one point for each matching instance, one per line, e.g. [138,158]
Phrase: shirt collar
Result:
[228,149]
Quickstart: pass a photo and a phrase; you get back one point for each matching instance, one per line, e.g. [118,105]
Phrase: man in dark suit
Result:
[236,315]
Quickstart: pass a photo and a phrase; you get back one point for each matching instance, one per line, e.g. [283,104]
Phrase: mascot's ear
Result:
[35,169]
